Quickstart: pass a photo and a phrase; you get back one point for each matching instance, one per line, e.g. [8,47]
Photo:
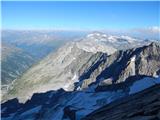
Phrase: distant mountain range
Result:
[83,76]
[38,43]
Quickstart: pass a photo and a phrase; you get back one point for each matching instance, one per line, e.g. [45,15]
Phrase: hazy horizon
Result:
[135,18]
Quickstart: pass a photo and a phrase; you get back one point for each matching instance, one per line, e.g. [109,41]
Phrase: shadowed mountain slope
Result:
[144,105]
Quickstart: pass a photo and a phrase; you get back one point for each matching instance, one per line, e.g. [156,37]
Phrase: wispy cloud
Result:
[155,29]
[152,32]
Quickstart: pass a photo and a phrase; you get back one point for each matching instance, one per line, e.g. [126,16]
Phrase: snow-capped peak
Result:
[101,42]
[128,38]
[98,36]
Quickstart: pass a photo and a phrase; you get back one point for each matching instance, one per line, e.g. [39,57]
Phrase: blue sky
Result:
[79,15]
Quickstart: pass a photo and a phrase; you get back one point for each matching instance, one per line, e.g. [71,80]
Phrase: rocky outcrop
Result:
[60,104]
[11,106]
[148,60]
[141,106]
[119,66]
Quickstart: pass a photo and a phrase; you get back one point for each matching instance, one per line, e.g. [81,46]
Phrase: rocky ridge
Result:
[89,80]
[116,68]
[75,105]
[78,67]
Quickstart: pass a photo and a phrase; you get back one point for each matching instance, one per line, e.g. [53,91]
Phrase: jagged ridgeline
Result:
[89,60]
[83,76]
[122,64]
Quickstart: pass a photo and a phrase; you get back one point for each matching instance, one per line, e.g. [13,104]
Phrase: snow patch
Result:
[75,77]
[70,83]
[95,100]
[133,58]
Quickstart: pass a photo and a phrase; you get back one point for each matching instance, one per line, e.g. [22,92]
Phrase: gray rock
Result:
[134,107]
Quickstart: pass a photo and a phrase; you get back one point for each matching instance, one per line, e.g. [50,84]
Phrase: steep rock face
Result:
[148,60]
[119,66]
[141,106]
